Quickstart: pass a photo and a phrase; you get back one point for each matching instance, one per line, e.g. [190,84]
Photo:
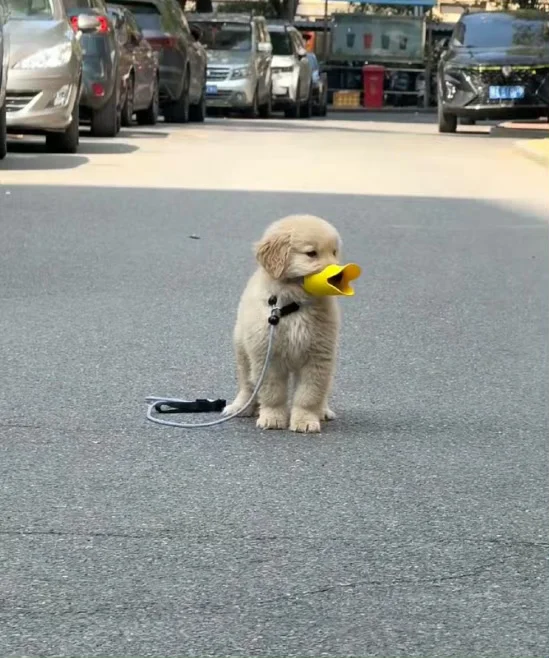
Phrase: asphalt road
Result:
[414,525]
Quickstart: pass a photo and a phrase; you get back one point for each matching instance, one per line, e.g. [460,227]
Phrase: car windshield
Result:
[146,14]
[226,36]
[503,31]
[30,9]
[281,43]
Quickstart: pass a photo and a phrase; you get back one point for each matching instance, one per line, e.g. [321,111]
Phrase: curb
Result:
[536,150]
[511,131]
[382,110]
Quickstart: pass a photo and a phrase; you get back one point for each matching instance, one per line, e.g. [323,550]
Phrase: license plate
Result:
[211,90]
[506,93]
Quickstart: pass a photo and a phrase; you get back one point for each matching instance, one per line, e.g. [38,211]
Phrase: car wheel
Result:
[127,109]
[253,111]
[307,107]
[447,123]
[149,117]
[3,133]
[266,109]
[106,121]
[197,113]
[466,121]
[66,142]
[292,112]
[178,111]
[323,107]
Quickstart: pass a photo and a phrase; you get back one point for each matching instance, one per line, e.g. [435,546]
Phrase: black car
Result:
[182,57]
[495,68]
[139,68]
[102,84]
[3,80]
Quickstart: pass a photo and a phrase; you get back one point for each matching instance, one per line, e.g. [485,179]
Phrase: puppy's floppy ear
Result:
[273,252]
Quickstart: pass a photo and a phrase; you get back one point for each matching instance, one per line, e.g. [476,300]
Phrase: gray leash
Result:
[155,403]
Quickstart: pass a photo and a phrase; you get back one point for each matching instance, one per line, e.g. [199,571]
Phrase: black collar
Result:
[278,312]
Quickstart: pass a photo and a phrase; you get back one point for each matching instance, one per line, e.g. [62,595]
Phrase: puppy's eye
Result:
[312,254]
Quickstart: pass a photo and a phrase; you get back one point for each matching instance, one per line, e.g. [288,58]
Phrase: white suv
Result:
[291,71]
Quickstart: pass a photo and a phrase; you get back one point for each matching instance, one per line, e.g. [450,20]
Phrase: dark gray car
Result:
[3,78]
[182,58]
[102,84]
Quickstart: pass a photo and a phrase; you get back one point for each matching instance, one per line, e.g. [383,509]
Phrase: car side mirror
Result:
[301,53]
[265,47]
[196,32]
[87,23]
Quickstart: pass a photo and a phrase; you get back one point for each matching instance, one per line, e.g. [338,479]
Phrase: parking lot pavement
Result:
[414,525]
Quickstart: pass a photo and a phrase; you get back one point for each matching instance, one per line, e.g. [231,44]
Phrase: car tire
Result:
[252,112]
[266,110]
[127,108]
[197,113]
[447,123]
[106,121]
[307,107]
[67,141]
[323,107]
[3,133]
[178,111]
[292,112]
[149,117]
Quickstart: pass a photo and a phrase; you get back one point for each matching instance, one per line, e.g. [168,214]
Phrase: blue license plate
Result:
[211,90]
[506,93]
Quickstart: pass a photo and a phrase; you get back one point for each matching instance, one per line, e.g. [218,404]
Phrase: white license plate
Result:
[211,90]
[506,93]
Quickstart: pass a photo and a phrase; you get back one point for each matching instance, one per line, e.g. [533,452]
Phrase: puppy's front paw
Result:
[272,419]
[304,421]
[238,404]
[328,414]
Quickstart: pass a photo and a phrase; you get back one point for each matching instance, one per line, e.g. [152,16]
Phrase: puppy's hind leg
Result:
[245,388]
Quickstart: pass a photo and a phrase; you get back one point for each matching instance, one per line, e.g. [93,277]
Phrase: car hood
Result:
[228,58]
[29,37]
[471,57]
[280,61]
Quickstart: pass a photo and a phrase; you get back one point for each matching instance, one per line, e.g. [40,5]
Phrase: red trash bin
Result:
[373,77]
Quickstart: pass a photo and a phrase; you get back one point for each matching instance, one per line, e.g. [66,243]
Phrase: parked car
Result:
[45,72]
[182,58]
[102,84]
[239,54]
[3,79]
[291,70]
[496,67]
[320,87]
[140,69]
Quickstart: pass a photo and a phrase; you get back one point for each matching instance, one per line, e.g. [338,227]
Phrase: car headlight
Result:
[49,58]
[283,69]
[241,72]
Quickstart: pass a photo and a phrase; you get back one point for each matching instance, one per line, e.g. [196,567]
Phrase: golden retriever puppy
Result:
[305,341]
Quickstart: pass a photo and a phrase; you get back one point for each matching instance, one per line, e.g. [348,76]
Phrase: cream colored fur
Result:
[305,342]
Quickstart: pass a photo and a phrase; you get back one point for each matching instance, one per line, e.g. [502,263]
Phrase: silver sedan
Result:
[45,72]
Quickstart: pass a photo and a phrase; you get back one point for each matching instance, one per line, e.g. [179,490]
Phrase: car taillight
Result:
[159,43]
[102,24]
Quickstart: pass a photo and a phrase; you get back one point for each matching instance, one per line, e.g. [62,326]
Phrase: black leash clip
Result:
[276,313]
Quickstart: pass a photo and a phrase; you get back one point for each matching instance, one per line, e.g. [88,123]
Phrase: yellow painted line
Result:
[536,150]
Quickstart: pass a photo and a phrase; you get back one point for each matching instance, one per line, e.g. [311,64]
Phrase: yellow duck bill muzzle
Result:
[333,280]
